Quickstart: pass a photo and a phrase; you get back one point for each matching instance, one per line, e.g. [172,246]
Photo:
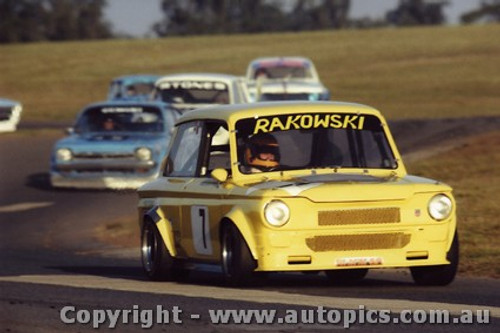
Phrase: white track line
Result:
[19,207]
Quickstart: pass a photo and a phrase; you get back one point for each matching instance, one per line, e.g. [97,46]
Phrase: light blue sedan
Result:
[116,145]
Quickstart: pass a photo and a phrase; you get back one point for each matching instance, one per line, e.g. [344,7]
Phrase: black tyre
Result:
[440,275]
[157,262]
[237,263]
[346,276]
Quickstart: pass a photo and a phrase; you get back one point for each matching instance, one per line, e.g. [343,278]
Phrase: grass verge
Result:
[406,73]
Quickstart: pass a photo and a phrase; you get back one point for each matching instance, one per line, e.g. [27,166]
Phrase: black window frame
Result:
[175,138]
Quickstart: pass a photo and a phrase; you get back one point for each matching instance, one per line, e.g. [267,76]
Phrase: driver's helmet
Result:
[131,90]
[262,152]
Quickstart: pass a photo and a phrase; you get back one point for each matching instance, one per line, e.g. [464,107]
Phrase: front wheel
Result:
[157,262]
[439,275]
[238,264]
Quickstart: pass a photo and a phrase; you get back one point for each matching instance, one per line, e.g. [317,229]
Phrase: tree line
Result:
[52,20]
[56,20]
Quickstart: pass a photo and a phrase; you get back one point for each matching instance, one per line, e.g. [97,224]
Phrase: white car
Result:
[284,78]
[194,90]
[290,91]
[10,114]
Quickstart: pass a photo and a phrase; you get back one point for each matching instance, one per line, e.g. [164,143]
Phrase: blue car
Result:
[113,145]
[137,87]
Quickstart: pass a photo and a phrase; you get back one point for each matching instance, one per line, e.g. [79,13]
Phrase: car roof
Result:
[6,101]
[233,112]
[280,59]
[127,103]
[132,77]
[198,76]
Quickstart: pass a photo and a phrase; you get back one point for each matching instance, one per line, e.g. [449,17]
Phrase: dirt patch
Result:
[121,231]
[422,138]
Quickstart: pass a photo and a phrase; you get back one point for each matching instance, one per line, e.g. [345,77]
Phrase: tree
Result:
[21,21]
[236,16]
[489,10]
[418,12]
[40,20]
[314,15]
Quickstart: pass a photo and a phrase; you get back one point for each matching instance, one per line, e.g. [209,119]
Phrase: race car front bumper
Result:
[306,251]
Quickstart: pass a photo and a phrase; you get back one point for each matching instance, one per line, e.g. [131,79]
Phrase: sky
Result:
[135,17]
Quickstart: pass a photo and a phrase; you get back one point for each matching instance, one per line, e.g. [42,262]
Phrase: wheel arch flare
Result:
[245,227]
[156,215]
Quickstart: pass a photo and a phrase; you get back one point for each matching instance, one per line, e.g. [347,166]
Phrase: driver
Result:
[108,124]
[261,153]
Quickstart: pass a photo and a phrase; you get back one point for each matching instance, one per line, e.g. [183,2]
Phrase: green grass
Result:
[405,73]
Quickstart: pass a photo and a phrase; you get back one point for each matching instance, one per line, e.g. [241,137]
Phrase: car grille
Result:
[5,113]
[359,216]
[105,170]
[396,240]
[106,162]
[91,156]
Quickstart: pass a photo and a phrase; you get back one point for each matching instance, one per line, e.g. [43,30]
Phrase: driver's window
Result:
[183,158]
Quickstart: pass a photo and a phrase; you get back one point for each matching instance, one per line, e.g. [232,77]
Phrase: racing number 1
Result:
[203,222]
[200,227]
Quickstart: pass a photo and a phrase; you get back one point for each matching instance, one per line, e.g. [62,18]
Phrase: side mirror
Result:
[219,175]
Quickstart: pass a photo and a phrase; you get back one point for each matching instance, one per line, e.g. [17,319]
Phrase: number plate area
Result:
[359,261]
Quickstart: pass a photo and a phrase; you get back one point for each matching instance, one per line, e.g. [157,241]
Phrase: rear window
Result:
[194,92]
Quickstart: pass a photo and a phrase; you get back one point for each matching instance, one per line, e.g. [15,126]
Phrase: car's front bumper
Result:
[347,249]
[98,181]
[9,125]
[101,172]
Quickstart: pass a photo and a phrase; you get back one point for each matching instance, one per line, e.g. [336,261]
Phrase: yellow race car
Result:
[293,186]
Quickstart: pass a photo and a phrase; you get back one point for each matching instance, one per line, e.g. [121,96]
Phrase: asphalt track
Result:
[50,259]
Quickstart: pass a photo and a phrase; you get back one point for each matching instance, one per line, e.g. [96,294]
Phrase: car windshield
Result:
[289,97]
[121,118]
[312,140]
[130,89]
[194,92]
[138,88]
[282,71]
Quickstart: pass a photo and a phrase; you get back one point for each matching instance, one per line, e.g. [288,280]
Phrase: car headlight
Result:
[63,154]
[143,154]
[313,97]
[276,213]
[440,207]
